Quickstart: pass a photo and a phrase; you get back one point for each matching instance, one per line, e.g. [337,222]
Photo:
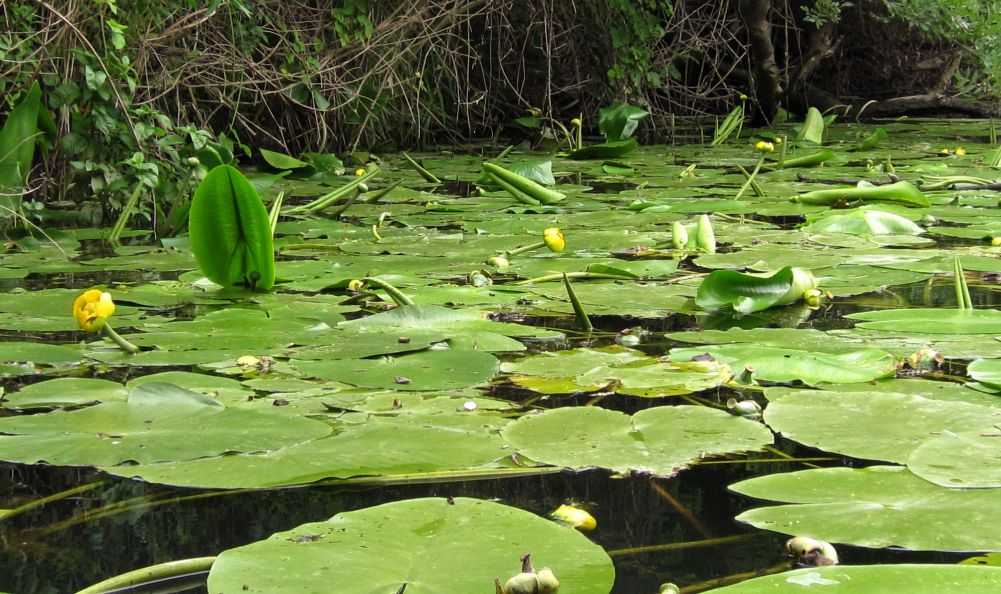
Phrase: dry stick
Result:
[681,509]
[83,39]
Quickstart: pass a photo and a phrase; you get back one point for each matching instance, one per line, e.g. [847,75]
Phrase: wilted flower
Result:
[92,309]
[553,238]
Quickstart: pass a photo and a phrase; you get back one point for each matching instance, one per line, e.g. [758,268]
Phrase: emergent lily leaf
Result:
[747,293]
[230,231]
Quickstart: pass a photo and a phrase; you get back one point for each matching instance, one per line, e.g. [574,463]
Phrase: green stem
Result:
[678,546]
[114,237]
[750,179]
[556,277]
[393,292]
[578,307]
[755,186]
[123,344]
[152,573]
[525,248]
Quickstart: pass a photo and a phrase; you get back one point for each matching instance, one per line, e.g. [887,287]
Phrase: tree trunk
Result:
[766,85]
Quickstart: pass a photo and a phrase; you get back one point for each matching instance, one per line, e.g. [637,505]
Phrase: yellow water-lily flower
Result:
[959,152]
[554,240]
[92,309]
[764,146]
[576,123]
[360,172]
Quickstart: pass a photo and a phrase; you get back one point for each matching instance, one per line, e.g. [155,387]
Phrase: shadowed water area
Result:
[250,413]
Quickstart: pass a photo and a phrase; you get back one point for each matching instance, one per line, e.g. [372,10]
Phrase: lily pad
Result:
[878,506]
[425,546]
[64,392]
[873,426]
[931,321]
[865,221]
[785,365]
[970,459]
[424,370]
[158,422]
[659,441]
[747,293]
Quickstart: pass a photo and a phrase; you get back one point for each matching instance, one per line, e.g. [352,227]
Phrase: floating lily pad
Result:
[659,441]
[424,370]
[874,426]
[158,422]
[424,546]
[970,459]
[878,506]
[873,579]
[932,321]
[65,392]
[786,365]
[865,221]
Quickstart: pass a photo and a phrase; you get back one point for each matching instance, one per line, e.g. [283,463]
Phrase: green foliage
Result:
[822,12]
[619,122]
[28,124]
[636,27]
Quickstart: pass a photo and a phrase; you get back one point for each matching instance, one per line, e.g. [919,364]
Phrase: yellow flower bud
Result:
[92,309]
[360,172]
[554,239]
[959,152]
[764,146]
[575,122]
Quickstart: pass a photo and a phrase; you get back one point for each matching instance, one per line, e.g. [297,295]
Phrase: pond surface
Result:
[247,414]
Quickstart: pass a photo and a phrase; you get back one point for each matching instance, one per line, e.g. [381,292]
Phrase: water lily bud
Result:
[360,172]
[959,152]
[575,518]
[575,122]
[193,161]
[748,409]
[548,584]
[705,237]
[498,261]
[679,235]
[943,151]
[669,588]
[764,146]
[743,97]
[553,238]
[812,297]
[355,285]
[522,583]
[995,241]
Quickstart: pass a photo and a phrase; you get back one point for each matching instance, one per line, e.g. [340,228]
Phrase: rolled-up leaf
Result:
[901,192]
[747,293]
[528,187]
[230,231]
[808,160]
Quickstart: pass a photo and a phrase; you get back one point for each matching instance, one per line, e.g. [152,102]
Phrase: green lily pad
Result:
[65,392]
[970,459]
[873,426]
[425,546]
[158,422]
[931,321]
[865,221]
[424,370]
[786,365]
[659,441]
[878,506]
[874,579]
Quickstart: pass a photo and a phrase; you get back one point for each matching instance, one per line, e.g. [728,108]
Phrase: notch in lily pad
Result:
[230,231]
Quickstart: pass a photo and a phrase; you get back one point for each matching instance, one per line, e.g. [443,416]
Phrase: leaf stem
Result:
[123,344]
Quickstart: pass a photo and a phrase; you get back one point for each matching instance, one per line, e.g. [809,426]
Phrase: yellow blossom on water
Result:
[764,146]
[959,152]
[359,172]
[574,517]
[92,309]
[554,239]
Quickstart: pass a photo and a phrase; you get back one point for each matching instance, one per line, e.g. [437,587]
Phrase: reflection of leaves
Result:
[423,545]
[915,579]
[878,506]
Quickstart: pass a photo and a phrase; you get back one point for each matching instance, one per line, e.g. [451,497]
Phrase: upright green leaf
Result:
[230,231]
[813,127]
[619,122]
[18,139]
